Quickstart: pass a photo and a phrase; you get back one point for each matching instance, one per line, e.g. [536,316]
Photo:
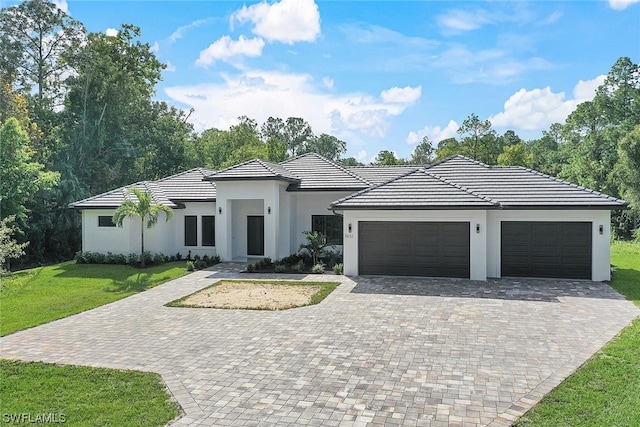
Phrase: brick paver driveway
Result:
[379,351]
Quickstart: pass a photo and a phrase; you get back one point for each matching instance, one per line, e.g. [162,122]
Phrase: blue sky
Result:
[379,75]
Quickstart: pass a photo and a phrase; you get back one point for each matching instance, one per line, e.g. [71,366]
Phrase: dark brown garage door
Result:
[546,249]
[432,249]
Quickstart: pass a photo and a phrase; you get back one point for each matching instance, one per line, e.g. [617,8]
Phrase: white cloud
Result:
[62,5]
[457,21]
[586,90]
[539,108]
[362,157]
[405,95]
[287,21]
[155,48]
[328,82]
[170,67]
[226,49]
[621,4]
[179,33]
[491,66]
[435,133]
[260,94]
[111,32]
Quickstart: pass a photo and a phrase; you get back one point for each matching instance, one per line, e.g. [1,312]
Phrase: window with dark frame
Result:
[330,226]
[105,221]
[191,230]
[208,230]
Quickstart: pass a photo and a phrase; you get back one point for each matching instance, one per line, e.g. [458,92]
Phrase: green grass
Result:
[39,295]
[605,391]
[325,288]
[82,396]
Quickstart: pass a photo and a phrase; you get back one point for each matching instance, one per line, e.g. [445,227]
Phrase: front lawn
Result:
[605,390]
[43,393]
[39,295]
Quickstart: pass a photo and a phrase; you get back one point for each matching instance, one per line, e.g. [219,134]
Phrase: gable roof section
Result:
[317,174]
[380,174]
[114,198]
[254,170]
[417,189]
[517,187]
[186,186]
[189,186]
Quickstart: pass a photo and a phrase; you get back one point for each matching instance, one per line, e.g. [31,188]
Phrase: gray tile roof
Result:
[114,198]
[518,187]
[379,174]
[317,173]
[508,187]
[254,169]
[417,189]
[187,186]
[456,182]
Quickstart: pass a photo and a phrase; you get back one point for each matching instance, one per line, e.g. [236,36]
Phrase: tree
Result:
[108,109]
[296,134]
[20,177]
[447,148]
[628,168]
[327,146]
[145,210]
[480,142]
[515,155]
[9,248]
[34,38]
[350,161]
[273,128]
[387,158]
[423,153]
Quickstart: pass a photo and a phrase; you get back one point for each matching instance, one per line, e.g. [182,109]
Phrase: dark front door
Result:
[546,249]
[255,235]
[436,249]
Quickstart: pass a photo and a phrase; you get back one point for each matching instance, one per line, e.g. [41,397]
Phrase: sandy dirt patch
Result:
[253,295]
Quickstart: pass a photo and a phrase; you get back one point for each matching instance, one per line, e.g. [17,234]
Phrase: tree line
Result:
[78,118]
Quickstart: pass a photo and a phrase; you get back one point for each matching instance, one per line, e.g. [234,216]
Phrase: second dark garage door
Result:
[546,249]
[430,249]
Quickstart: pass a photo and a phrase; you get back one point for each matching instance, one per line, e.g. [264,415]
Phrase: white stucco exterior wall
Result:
[308,204]
[601,243]
[173,231]
[166,237]
[118,240]
[231,224]
[477,240]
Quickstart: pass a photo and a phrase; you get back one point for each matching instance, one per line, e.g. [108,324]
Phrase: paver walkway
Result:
[377,351]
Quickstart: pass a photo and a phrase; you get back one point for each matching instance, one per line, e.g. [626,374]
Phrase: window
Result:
[191,230]
[330,226]
[105,221]
[208,230]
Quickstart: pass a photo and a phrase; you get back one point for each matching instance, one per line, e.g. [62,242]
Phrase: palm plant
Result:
[144,208]
[315,246]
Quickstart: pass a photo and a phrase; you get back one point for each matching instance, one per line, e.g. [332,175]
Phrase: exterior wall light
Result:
[601,229]
[349,227]
[477,228]
[269,210]
[220,210]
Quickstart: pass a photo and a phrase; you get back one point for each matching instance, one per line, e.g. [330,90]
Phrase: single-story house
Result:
[455,218]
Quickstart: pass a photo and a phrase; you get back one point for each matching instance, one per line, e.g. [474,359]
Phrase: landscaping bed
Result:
[257,295]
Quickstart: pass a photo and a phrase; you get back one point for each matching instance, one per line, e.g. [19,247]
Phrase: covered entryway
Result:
[546,249]
[429,249]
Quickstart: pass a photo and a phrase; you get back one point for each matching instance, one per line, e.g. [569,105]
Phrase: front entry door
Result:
[255,235]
